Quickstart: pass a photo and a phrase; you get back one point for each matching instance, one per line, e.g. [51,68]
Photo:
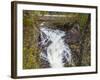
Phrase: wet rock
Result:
[44,64]
[73,35]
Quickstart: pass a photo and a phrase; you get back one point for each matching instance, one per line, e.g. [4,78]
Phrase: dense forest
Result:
[79,45]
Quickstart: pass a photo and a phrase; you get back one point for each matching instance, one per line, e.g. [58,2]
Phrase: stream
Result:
[54,50]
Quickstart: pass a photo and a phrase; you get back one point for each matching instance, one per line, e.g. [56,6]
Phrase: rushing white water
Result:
[54,49]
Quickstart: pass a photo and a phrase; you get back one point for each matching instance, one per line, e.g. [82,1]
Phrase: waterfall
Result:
[54,49]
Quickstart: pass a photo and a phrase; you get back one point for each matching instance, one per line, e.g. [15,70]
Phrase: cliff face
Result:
[80,44]
[81,50]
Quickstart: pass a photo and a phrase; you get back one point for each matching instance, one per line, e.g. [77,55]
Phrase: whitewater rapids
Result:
[54,48]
